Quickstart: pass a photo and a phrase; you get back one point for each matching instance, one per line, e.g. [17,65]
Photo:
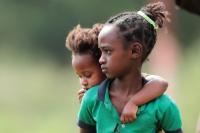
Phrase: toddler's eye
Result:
[87,75]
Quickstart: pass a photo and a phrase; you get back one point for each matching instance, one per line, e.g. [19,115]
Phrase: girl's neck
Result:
[128,84]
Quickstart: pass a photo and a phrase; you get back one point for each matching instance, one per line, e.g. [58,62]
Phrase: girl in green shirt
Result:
[83,43]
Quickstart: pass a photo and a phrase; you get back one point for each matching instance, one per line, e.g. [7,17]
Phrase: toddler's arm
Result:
[155,87]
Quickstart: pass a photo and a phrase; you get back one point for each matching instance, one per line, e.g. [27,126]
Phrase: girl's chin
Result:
[108,76]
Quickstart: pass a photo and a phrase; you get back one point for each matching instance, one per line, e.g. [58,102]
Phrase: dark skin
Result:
[142,97]
[122,63]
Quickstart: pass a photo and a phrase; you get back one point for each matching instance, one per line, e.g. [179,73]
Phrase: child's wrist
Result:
[134,101]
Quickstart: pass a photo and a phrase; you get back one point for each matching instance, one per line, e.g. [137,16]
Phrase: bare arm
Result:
[155,87]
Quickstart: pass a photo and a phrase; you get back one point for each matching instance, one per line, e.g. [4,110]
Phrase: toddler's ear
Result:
[136,50]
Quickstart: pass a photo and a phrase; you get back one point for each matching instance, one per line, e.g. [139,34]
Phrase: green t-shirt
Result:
[99,115]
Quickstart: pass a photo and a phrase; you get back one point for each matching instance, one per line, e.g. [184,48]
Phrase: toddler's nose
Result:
[84,83]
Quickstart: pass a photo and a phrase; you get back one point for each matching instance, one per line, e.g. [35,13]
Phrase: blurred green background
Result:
[38,89]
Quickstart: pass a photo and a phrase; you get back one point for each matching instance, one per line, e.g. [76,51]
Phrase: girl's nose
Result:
[101,60]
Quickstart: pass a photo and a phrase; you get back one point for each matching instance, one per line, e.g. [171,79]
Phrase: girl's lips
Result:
[103,69]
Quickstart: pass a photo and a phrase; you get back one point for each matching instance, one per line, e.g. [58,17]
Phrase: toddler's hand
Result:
[129,112]
[81,93]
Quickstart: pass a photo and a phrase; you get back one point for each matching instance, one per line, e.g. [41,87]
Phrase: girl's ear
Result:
[136,49]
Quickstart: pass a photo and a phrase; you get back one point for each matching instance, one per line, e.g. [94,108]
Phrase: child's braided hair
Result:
[134,28]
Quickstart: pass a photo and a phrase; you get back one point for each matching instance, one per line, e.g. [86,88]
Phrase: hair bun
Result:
[156,11]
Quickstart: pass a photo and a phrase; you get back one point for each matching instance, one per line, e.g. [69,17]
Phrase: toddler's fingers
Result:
[135,117]
[81,91]
[126,119]
[80,97]
[131,119]
[122,119]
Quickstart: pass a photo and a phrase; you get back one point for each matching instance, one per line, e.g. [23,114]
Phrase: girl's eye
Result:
[107,52]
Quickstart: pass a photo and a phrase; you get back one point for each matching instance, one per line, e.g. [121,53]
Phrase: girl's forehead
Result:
[109,32]
[108,29]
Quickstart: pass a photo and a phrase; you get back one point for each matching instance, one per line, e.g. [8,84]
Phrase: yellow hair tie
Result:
[148,19]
